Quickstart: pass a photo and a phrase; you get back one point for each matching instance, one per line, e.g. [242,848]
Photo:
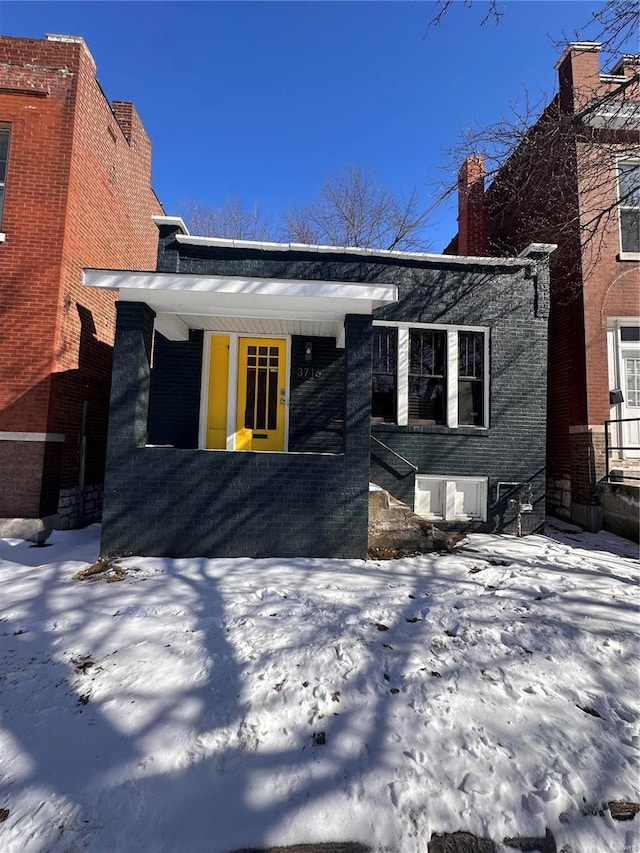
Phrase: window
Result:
[629,195]
[429,375]
[451,498]
[427,355]
[4,156]
[384,365]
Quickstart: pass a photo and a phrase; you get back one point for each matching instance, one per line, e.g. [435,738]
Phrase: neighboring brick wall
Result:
[77,195]
[173,502]
[589,283]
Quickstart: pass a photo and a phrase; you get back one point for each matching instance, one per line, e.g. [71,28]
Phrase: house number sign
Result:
[309,373]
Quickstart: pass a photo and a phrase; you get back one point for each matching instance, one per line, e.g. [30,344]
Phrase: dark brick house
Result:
[258,388]
[575,181]
[74,192]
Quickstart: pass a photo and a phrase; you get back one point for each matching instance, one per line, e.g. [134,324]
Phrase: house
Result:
[575,181]
[74,192]
[258,388]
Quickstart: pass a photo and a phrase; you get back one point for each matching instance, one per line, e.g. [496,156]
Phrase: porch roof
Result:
[243,304]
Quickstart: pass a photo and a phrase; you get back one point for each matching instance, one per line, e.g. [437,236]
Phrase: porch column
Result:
[130,377]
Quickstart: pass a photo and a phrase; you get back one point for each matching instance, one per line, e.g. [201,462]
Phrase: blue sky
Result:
[264,100]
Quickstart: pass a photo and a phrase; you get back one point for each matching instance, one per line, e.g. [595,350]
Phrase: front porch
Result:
[186,474]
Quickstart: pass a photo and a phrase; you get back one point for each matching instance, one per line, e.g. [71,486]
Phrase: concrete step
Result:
[395,530]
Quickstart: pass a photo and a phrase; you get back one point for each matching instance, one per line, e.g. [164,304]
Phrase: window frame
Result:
[620,163]
[5,129]
[447,485]
[451,373]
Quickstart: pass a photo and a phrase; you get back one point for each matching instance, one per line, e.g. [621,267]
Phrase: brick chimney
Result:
[472,220]
[578,74]
[123,111]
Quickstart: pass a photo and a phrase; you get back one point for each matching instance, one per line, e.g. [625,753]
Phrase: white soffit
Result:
[236,296]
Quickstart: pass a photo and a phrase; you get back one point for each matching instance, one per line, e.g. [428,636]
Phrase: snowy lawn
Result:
[207,705]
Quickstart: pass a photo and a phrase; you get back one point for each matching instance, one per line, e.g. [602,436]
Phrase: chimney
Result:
[472,220]
[578,74]
[123,111]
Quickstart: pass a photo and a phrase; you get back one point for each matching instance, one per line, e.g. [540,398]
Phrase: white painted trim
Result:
[232,391]
[237,285]
[628,256]
[171,220]
[451,379]
[402,375]
[32,436]
[3,237]
[224,243]
[171,327]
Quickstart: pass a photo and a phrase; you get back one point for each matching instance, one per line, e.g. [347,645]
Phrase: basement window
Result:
[629,206]
[430,375]
[451,498]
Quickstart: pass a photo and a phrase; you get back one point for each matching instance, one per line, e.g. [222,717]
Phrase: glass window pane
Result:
[630,333]
[630,230]
[471,379]
[470,402]
[426,400]
[384,368]
[426,352]
[629,184]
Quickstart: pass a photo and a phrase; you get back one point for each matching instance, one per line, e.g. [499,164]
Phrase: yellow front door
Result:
[260,418]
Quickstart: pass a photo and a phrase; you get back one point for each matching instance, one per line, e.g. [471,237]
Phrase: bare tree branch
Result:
[353,209]
[232,220]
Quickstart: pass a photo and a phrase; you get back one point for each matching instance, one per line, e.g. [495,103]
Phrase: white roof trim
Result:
[205,284]
[171,220]
[224,243]
[235,296]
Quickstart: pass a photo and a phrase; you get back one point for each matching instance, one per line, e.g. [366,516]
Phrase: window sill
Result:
[628,256]
[436,429]
[3,237]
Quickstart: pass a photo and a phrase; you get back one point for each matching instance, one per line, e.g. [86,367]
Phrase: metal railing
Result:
[608,447]
[386,447]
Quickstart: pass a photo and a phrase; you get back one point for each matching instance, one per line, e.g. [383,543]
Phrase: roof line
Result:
[265,246]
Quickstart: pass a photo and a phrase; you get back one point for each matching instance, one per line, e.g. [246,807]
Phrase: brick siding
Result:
[77,195]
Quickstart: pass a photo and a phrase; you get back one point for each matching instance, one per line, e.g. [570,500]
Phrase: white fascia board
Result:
[171,327]
[135,282]
[255,245]
[178,221]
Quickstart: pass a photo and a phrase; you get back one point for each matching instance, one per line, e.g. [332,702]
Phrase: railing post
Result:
[606,450]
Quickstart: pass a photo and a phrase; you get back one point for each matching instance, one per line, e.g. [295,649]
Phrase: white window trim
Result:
[232,389]
[402,379]
[624,161]
[447,508]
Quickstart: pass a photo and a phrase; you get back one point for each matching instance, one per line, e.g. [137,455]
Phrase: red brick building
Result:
[575,182]
[74,192]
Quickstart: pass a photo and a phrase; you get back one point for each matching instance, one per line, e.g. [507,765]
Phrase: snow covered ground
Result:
[208,705]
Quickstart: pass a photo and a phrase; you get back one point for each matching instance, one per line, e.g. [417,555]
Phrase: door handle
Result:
[283,396]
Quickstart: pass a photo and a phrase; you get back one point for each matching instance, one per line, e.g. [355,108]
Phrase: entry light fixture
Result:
[308,351]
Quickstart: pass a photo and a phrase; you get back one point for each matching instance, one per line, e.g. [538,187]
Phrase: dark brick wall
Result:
[513,305]
[316,412]
[174,397]
[179,502]
[512,300]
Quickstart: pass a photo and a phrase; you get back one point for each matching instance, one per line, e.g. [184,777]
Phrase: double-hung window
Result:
[4,156]
[629,206]
[430,375]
